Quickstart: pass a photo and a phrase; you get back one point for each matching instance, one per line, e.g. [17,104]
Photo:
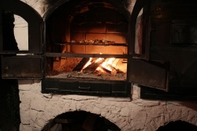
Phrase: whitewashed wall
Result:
[135,114]
[132,114]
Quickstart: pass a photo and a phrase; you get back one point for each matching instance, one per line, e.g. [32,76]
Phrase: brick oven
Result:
[92,52]
[104,57]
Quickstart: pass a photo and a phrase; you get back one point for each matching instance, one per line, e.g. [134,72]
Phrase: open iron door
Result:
[21,67]
[150,74]
[16,63]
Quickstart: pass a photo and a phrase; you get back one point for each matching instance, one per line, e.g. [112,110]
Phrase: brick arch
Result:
[172,112]
[80,120]
[178,125]
[106,113]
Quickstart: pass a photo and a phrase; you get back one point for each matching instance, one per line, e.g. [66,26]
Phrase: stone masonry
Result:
[135,114]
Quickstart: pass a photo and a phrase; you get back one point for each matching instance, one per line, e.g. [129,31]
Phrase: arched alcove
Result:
[179,126]
[80,121]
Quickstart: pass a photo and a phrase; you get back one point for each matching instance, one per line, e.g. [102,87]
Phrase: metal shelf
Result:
[86,55]
[96,44]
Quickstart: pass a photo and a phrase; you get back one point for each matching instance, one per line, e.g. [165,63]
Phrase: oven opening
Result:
[92,68]
[87,40]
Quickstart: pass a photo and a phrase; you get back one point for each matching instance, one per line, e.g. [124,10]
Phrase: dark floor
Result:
[9,105]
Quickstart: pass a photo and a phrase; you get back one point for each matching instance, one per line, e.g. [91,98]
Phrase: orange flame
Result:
[87,64]
[108,64]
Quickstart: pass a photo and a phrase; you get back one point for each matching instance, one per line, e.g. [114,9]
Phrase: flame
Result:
[99,59]
[108,64]
[87,64]
[100,70]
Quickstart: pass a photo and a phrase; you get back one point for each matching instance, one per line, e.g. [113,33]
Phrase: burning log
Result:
[111,66]
[94,64]
[111,71]
[81,64]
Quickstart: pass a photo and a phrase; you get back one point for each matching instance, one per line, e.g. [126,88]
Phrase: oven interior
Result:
[86,43]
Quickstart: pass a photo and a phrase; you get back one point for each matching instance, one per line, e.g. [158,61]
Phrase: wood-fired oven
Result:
[98,47]
[84,47]
[89,49]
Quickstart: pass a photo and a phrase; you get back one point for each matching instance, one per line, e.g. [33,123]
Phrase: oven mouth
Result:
[92,68]
[87,48]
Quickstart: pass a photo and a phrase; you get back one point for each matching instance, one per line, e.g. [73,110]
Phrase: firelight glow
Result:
[87,64]
[107,64]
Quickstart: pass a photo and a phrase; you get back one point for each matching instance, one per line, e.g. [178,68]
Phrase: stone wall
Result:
[37,109]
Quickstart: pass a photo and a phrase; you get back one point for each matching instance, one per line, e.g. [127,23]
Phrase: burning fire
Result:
[87,64]
[107,64]
[102,65]
[91,66]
